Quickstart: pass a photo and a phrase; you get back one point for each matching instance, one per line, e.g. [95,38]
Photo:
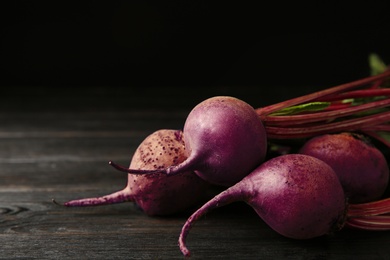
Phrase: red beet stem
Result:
[369,216]
[322,116]
[382,127]
[378,83]
[134,171]
[378,207]
[346,125]
[372,223]
[319,94]
[363,93]
[337,106]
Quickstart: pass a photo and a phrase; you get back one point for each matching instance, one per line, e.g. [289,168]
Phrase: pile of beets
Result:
[308,166]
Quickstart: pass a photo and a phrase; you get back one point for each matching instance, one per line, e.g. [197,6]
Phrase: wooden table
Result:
[55,143]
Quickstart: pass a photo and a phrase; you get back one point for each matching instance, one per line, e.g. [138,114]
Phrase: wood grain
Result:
[54,150]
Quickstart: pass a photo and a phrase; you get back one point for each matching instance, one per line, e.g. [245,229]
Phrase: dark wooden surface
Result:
[55,143]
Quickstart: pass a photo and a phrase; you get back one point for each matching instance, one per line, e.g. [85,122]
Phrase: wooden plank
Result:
[63,153]
[47,231]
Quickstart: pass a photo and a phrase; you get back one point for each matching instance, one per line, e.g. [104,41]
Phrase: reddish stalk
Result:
[378,207]
[363,93]
[274,132]
[341,115]
[322,93]
[337,106]
[372,223]
[382,127]
[327,115]
[377,84]
[369,216]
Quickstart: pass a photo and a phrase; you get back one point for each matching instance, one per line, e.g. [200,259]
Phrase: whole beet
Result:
[225,140]
[362,168]
[297,195]
[157,193]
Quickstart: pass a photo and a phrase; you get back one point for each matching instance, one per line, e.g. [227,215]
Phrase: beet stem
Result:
[373,223]
[346,125]
[322,116]
[337,106]
[322,93]
[379,128]
[378,83]
[369,216]
[363,93]
[378,207]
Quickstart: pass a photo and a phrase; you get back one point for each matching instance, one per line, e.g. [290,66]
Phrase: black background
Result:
[138,44]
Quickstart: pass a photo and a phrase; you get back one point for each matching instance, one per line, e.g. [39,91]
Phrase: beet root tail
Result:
[224,198]
[113,198]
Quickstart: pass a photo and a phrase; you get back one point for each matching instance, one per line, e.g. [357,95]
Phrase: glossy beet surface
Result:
[297,195]
[225,140]
[158,193]
[362,168]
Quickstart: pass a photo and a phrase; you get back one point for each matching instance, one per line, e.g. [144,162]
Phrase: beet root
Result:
[298,196]
[362,168]
[225,140]
[158,193]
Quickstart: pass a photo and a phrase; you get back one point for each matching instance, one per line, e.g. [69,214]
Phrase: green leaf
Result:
[376,64]
[307,107]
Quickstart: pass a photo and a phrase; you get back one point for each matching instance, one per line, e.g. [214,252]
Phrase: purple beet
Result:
[362,168]
[157,193]
[225,140]
[297,195]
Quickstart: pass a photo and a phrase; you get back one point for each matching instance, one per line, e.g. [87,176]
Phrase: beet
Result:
[297,195]
[225,140]
[158,193]
[362,168]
